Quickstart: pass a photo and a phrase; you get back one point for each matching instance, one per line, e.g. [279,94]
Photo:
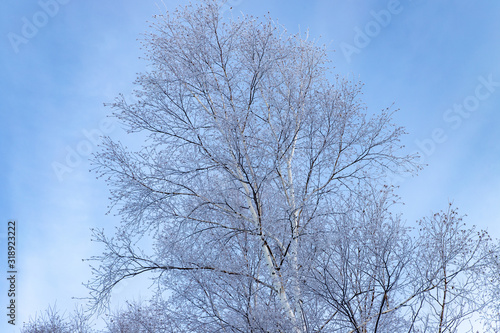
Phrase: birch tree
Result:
[257,201]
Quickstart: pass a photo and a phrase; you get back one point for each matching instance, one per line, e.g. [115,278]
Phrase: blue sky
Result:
[438,62]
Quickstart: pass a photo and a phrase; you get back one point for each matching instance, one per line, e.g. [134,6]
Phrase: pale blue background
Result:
[426,59]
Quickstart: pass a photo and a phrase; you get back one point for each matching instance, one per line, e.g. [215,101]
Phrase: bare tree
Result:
[52,321]
[361,269]
[452,262]
[140,318]
[257,200]
[376,278]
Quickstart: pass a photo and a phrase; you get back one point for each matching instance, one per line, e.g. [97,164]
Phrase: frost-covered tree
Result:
[53,321]
[257,200]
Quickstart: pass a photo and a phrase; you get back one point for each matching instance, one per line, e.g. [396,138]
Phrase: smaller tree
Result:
[52,321]
[491,279]
[452,264]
